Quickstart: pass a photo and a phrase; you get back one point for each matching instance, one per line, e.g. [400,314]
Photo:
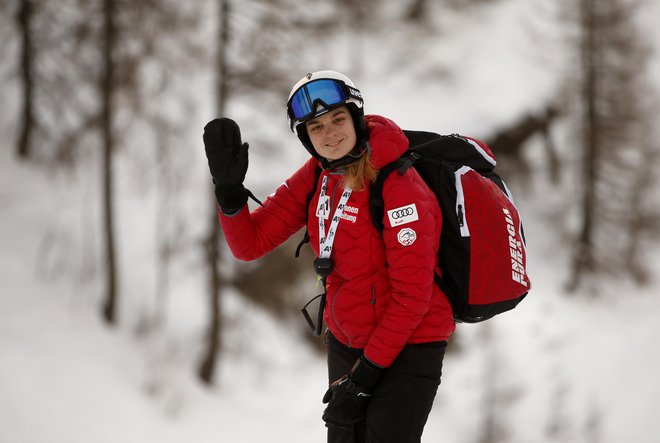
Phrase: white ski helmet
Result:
[317,93]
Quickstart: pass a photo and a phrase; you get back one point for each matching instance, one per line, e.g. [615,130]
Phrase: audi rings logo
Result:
[402,215]
[399,214]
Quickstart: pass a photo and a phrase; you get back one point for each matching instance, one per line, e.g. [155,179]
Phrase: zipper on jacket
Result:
[334,195]
[332,312]
[334,299]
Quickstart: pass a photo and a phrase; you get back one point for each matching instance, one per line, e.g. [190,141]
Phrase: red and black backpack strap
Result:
[376,202]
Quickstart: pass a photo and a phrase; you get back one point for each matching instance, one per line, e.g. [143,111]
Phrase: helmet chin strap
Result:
[351,157]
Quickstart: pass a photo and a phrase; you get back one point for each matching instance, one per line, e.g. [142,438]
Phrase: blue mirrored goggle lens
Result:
[328,92]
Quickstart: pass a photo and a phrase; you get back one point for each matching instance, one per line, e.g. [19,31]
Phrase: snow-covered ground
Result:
[566,361]
[560,367]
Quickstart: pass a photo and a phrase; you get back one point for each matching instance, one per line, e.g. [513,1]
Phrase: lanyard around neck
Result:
[326,242]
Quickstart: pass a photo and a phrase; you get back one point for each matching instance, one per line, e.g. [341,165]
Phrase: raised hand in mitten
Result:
[228,162]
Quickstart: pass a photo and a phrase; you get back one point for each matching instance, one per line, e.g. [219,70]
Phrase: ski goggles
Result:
[326,92]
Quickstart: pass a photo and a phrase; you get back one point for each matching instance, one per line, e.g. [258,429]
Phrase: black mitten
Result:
[348,397]
[228,163]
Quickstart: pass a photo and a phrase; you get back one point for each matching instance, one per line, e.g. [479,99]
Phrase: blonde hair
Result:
[360,173]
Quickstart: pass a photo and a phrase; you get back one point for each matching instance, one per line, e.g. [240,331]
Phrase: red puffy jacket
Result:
[380,295]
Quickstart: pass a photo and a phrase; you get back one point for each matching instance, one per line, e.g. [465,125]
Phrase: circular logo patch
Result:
[407,236]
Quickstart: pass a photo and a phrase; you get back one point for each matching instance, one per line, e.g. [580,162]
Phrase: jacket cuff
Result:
[366,374]
[230,213]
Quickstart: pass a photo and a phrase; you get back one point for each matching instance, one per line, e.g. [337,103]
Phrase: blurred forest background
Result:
[107,99]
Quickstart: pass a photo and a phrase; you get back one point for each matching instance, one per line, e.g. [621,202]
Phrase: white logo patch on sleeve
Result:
[404,214]
[406,236]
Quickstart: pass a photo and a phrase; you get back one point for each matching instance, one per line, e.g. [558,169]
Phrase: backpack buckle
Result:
[408,161]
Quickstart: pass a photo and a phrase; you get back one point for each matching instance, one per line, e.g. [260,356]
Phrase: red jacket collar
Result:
[386,139]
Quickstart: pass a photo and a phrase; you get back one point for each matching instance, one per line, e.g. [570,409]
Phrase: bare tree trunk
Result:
[106,90]
[24,19]
[584,260]
[212,245]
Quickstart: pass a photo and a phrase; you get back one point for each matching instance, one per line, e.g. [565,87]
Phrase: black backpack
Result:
[482,254]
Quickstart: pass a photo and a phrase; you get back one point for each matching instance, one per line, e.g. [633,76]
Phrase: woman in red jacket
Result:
[387,322]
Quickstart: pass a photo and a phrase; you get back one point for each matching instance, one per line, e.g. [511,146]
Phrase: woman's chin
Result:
[336,153]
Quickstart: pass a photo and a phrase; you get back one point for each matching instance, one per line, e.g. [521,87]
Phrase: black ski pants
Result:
[402,400]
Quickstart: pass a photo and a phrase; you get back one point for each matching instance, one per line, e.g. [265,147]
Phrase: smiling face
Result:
[332,134]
